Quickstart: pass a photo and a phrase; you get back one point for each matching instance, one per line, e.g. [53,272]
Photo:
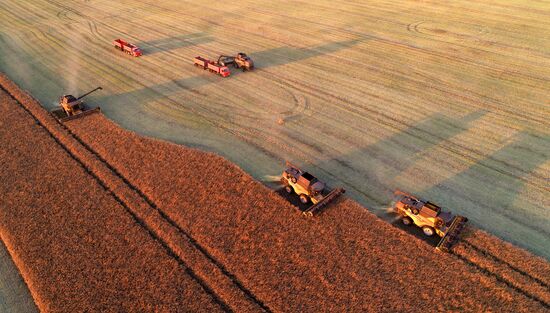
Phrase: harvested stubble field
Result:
[345,258]
[75,245]
[447,100]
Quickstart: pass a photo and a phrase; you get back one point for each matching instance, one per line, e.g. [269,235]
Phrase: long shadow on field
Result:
[172,43]
[141,96]
[369,173]
[491,185]
[285,55]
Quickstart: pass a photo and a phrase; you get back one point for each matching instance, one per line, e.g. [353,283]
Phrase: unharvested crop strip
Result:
[500,279]
[501,261]
[173,223]
[138,220]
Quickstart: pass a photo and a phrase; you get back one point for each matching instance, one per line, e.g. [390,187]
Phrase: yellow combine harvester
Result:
[430,218]
[308,188]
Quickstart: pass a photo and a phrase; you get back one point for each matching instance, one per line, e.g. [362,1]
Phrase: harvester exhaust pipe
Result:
[89,92]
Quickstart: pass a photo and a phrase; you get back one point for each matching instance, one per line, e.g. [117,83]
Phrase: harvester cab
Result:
[72,107]
[431,218]
[308,188]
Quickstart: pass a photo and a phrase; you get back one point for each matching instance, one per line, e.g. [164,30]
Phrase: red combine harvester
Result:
[127,47]
[212,66]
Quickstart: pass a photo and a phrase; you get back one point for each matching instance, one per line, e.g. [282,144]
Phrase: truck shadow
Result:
[172,43]
[285,55]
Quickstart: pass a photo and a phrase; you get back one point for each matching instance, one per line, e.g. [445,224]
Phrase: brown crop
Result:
[76,247]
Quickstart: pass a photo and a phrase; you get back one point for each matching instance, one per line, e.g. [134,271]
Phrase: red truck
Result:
[127,47]
[212,66]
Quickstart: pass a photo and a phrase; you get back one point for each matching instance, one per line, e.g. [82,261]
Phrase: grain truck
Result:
[127,47]
[211,66]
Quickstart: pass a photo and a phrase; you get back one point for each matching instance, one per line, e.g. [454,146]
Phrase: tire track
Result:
[499,278]
[501,261]
[244,136]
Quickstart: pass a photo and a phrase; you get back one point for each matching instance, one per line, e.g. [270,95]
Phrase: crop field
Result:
[448,101]
[93,224]
[71,242]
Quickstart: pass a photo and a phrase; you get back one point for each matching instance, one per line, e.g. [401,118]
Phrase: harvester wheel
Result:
[289,189]
[304,199]
[293,180]
[406,221]
[428,231]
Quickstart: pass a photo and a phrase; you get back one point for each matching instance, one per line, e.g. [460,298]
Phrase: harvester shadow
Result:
[172,43]
[157,92]
[504,169]
[370,172]
[285,55]
[417,232]
[293,199]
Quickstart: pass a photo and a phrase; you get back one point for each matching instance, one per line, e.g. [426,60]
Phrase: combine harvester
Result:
[308,188]
[241,61]
[430,218]
[212,66]
[72,108]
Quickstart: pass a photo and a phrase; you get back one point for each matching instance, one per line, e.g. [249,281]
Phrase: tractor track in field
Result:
[207,289]
[493,257]
[491,273]
[139,220]
[281,78]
